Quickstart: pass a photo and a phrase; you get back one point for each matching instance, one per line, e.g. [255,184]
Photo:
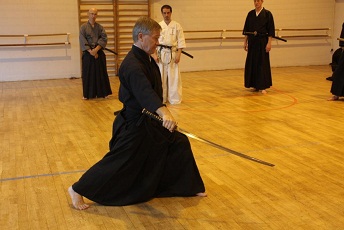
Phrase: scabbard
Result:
[255,33]
[187,54]
[111,51]
[278,38]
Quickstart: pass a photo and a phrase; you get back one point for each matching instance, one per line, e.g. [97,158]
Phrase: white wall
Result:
[338,22]
[39,17]
[231,14]
[47,16]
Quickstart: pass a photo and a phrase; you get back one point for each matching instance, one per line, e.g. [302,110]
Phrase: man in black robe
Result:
[335,59]
[259,29]
[93,38]
[337,88]
[146,159]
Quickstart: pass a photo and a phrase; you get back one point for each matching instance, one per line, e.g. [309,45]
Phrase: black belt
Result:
[256,34]
[170,47]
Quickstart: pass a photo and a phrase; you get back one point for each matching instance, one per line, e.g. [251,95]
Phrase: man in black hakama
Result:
[93,38]
[259,29]
[146,159]
[335,60]
[337,88]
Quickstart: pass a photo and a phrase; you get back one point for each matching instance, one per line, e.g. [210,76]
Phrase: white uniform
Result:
[171,35]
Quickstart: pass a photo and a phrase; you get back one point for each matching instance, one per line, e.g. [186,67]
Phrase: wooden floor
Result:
[49,137]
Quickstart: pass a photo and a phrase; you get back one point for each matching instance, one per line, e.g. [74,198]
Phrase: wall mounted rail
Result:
[237,34]
[27,38]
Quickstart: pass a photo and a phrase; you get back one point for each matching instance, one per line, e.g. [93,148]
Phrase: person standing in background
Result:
[93,38]
[335,59]
[168,56]
[337,88]
[259,29]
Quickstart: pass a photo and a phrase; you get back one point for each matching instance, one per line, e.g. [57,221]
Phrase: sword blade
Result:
[224,148]
[193,136]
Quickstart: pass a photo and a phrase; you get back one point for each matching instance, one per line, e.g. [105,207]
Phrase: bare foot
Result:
[84,98]
[77,199]
[333,98]
[201,194]
[264,91]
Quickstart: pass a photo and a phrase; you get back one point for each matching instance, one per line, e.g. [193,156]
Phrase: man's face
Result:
[92,15]
[150,41]
[166,13]
[258,3]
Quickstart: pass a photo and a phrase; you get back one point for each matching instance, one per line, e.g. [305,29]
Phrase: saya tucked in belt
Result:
[256,34]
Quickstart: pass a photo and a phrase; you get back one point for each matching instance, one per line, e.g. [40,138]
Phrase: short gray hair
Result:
[144,25]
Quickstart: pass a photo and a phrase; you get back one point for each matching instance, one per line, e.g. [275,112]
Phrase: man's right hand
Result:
[168,120]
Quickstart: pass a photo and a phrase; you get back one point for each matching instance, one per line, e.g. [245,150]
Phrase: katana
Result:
[159,119]
[255,33]
[111,51]
[170,47]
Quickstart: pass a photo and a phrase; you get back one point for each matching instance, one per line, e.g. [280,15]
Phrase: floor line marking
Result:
[39,175]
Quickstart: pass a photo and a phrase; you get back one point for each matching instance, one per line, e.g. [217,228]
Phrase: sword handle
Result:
[152,115]
[156,117]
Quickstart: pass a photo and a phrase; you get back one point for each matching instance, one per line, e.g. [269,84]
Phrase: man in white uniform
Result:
[168,58]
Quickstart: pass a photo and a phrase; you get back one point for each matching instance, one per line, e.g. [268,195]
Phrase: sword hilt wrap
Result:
[152,115]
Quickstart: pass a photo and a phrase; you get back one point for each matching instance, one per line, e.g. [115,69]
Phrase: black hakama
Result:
[257,66]
[145,159]
[95,79]
[337,87]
